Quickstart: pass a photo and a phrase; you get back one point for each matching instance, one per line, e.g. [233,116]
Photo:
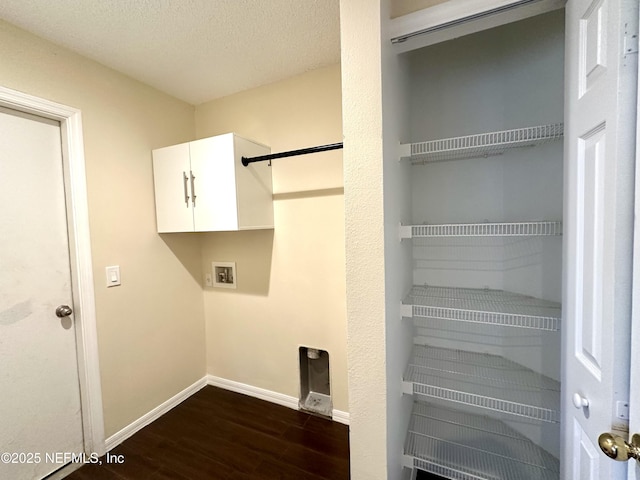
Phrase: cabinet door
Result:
[214,185]
[254,186]
[174,211]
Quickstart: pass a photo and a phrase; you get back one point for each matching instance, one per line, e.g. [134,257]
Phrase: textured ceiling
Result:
[195,50]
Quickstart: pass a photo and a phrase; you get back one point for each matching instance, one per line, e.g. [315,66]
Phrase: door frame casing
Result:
[79,254]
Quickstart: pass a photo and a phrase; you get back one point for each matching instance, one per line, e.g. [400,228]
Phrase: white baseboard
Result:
[340,416]
[273,397]
[261,393]
[268,395]
[119,437]
[65,471]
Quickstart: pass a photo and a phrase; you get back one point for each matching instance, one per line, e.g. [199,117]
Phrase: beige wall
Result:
[291,280]
[150,329]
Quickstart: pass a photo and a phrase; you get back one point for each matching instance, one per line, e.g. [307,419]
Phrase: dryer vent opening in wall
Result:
[315,389]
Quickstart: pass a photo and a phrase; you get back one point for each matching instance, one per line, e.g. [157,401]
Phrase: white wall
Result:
[378,264]
[398,255]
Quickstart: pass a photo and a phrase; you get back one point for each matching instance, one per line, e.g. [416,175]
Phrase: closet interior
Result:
[484,116]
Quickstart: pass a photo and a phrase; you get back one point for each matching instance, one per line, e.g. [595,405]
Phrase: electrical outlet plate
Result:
[224,274]
[208,280]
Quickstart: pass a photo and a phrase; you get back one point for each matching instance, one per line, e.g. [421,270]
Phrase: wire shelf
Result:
[511,229]
[483,144]
[493,307]
[463,446]
[486,381]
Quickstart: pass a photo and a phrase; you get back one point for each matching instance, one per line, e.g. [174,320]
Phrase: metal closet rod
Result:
[291,153]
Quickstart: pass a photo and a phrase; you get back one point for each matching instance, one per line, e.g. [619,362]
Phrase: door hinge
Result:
[622,410]
[621,419]
[630,39]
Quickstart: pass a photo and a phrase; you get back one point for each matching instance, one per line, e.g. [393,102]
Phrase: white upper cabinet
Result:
[202,186]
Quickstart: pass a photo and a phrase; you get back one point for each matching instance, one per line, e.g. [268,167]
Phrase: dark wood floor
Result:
[217,434]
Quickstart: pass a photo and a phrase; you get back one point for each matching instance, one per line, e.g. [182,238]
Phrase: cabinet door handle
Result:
[193,188]
[186,195]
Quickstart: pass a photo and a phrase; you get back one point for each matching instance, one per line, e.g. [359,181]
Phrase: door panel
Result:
[593,45]
[587,453]
[172,184]
[599,166]
[589,248]
[634,390]
[216,207]
[40,400]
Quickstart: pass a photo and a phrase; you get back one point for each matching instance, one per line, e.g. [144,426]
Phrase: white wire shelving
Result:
[482,380]
[502,229]
[463,446]
[492,307]
[480,145]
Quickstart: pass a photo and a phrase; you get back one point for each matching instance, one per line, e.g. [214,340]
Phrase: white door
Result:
[172,183]
[599,171]
[39,390]
[634,395]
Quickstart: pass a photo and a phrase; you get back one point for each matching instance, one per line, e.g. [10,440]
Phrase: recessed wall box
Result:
[224,274]
[315,388]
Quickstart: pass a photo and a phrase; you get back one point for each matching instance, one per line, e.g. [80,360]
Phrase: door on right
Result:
[600,128]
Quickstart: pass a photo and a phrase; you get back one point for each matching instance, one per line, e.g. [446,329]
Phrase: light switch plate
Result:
[113,276]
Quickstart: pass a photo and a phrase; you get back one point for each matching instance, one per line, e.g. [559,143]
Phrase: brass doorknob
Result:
[618,448]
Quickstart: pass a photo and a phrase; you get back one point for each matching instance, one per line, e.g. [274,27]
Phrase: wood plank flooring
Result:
[217,434]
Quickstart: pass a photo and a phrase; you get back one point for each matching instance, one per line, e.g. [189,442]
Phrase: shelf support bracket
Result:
[406,311]
[405,231]
[407,388]
[404,151]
